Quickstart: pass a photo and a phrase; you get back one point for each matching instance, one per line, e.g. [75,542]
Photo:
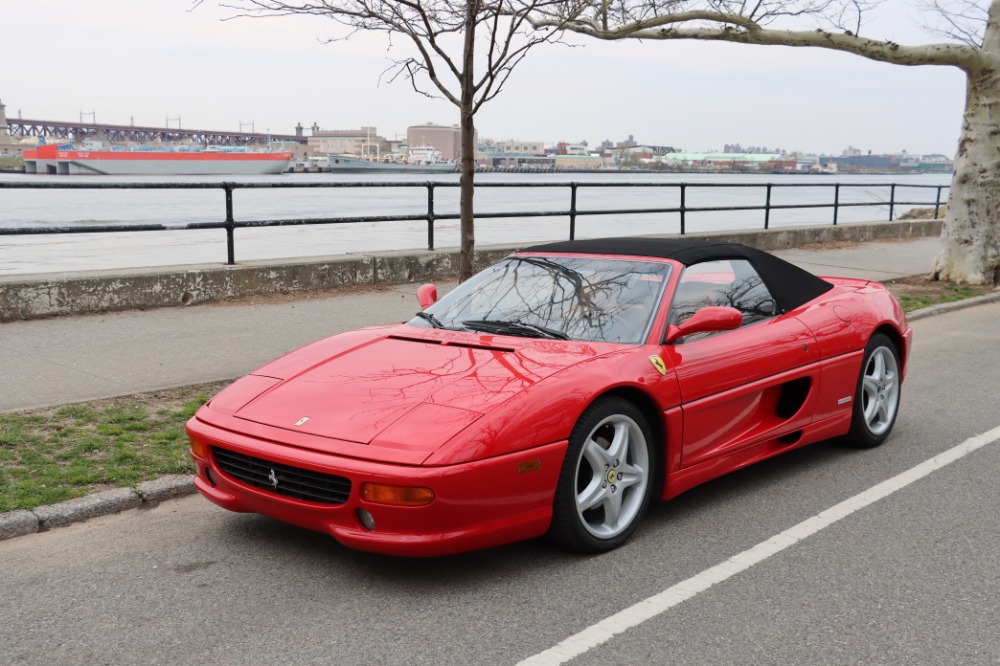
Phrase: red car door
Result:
[744,386]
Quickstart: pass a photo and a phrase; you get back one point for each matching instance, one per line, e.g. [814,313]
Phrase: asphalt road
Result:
[913,578]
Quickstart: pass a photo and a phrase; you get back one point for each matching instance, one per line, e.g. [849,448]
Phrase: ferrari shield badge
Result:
[658,363]
[302,421]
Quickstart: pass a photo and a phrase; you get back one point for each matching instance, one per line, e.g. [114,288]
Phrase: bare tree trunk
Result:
[970,250]
[468,141]
[467,189]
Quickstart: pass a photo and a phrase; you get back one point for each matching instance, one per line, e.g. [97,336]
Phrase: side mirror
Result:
[427,294]
[711,319]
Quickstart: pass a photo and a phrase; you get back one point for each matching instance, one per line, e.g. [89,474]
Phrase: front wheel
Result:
[606,478]
[876,399]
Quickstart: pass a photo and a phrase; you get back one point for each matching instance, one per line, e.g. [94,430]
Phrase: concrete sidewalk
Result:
[64,360]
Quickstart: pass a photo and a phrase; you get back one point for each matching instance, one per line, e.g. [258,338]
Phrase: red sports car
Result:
[555,393]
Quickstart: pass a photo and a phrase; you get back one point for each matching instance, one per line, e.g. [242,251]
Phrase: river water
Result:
[74,207]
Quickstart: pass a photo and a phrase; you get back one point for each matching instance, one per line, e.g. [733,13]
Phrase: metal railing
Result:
[230,224]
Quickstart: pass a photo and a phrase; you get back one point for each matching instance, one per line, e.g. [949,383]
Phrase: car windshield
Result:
[571,298]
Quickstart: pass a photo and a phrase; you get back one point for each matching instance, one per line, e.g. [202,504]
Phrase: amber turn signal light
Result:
[199,449]
[380,493]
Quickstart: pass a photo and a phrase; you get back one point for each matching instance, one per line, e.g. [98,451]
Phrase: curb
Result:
[943,308]
[149,493]
[21,522]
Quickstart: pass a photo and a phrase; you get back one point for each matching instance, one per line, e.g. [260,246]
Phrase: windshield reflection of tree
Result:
[585,299]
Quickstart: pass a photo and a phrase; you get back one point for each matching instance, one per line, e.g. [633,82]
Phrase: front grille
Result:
[302,484]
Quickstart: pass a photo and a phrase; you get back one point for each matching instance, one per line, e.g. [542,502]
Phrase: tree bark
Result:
[467,134]
[970,240]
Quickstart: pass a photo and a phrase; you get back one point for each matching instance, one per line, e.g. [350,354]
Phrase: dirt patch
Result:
[924,213]
[830,245]
[919,291]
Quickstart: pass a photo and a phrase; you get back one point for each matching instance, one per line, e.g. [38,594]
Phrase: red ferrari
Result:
[555,393]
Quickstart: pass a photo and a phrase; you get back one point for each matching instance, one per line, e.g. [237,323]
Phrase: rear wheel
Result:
[876,399]
[606,478]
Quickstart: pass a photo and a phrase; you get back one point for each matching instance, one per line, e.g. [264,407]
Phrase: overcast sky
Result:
[143,61]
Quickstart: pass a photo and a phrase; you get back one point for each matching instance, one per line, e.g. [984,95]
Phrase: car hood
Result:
[402,387]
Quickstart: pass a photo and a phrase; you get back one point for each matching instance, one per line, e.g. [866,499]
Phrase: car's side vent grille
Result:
[281,479]
[793,395]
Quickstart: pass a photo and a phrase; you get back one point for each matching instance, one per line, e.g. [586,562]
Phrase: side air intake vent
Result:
[793,395]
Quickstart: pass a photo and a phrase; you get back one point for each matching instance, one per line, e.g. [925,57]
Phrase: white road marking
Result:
[636,614]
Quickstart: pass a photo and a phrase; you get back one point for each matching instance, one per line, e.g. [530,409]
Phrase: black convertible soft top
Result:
[790,285]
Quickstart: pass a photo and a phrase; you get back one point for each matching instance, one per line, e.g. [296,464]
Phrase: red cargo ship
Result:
[126,161]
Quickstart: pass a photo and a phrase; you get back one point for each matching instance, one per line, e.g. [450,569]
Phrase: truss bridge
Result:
[53,130]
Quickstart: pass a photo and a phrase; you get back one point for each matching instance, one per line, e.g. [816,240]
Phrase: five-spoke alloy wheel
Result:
[876,400]
[606,479]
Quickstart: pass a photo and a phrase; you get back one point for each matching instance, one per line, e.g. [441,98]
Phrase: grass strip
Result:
[949,294]
[56,454]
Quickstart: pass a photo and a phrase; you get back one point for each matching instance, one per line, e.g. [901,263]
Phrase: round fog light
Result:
[366,520]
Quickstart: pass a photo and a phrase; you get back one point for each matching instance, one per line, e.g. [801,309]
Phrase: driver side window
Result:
[728,282]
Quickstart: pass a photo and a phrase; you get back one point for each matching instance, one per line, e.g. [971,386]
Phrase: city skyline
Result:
[161,60]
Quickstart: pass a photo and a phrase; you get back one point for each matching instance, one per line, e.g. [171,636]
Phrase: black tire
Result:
[877,394]
[596,510]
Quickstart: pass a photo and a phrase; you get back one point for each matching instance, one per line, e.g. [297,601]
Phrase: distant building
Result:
[631,150]
[890,163]
[8,147]
[512,147]
[446,139]
[564,148]
[579,162]
[937,163]
[752,150]
[628,143]
[866,162]
[362,141]
[769,162]
[807,163]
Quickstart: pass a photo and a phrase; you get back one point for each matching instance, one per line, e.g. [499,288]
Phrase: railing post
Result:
[230,224]
[572,211]
[937,202]
[836,202]
[430,216]
[767,208]
[683,189]
[892,201]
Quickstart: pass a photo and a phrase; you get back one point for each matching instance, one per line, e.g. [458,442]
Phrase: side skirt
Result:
[689,477]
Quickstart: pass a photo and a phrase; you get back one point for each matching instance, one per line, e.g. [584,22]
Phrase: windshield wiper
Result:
[428,317]
[513,327]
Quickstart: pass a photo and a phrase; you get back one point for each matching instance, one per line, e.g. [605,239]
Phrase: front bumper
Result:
[476,505]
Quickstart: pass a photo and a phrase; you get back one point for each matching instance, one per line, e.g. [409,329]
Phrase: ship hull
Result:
[154,163]
[345,164]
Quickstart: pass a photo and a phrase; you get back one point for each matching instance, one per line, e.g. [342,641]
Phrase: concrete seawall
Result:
[34,296]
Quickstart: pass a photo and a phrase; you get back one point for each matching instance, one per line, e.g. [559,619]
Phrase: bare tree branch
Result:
[724,20]
[961,20]
[449,38]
